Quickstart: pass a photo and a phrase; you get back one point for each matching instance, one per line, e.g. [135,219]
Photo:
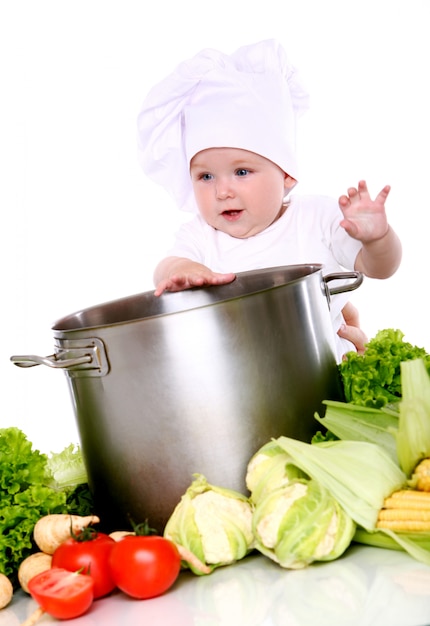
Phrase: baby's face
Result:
[237,191]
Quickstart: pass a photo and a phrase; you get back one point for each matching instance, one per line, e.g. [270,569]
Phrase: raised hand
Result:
[363,218]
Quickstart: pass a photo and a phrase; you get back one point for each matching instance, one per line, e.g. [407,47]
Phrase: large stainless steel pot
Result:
[195,382]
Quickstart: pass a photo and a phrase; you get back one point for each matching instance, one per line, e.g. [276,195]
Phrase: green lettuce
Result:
[373,379]
[29,490]
[67,468]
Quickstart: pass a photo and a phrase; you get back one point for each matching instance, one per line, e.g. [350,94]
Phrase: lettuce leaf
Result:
[373,379]
[67,467]
[28,490]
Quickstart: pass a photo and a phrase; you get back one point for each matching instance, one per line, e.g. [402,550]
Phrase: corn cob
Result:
[404,514]
[408,499]
[406,510]
[412,526]
[421,476]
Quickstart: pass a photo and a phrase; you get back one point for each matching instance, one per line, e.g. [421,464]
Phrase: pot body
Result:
[195,382]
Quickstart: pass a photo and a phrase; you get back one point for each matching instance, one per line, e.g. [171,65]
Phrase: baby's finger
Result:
[222,279]
[197,280]
[344,201]
[383,194]
[361,193]
[160,288]
[355,335]
[362,187]
[352,192]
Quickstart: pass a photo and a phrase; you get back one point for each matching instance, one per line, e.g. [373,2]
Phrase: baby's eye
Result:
[205,176]
[242,172]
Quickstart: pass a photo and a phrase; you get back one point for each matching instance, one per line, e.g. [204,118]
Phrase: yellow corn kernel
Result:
[406,510]
[421,476]
[404,525]
[404,514]
[408,498]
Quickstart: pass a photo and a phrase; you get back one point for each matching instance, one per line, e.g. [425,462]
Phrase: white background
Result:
[80,223]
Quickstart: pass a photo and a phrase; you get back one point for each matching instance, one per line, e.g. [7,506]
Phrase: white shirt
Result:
[307,233]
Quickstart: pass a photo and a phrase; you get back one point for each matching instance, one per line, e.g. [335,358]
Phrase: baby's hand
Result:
[196,275]
[351,329]
[364,219]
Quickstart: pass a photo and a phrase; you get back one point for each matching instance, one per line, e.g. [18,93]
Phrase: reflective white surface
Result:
[367,587]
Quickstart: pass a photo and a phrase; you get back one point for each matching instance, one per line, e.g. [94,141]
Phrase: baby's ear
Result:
[289,182]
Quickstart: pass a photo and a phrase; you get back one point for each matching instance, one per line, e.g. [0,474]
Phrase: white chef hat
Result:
[248,100]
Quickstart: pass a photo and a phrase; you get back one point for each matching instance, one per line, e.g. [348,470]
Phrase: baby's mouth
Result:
[232,214]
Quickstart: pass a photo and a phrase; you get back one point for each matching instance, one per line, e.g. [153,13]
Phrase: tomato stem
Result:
[143,529]
[88,533]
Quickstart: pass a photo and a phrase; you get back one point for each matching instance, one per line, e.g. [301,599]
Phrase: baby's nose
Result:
[224,190]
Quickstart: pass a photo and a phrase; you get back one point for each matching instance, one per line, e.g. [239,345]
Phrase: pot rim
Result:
[131,308]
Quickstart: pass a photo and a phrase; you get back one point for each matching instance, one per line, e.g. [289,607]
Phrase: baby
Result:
[219,135]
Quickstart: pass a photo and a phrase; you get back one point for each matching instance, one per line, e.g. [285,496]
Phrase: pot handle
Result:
[357,276]
[80,357]
[30,360]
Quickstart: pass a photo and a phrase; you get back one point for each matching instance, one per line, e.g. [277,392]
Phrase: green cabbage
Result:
[300,523]
[213,523]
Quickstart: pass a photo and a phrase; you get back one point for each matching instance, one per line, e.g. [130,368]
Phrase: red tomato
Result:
[144,566]
[61,593]
[88,556]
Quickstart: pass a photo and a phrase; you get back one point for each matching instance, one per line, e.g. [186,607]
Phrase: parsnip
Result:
[6,591]
[51,530]
[33,617]
[192,559]
[32,565]
[117,535]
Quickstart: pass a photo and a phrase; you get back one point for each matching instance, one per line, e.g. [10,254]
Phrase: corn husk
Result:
[359,423]
[413,434]
[359,475]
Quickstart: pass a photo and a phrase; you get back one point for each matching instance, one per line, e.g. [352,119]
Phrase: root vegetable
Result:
[117,535]
[34,617]
[32,565]
[192,559]
[6,591]
[51,530]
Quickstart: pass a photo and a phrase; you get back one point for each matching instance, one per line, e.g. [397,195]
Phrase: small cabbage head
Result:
[300,523]
[214,523]
[269,468]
